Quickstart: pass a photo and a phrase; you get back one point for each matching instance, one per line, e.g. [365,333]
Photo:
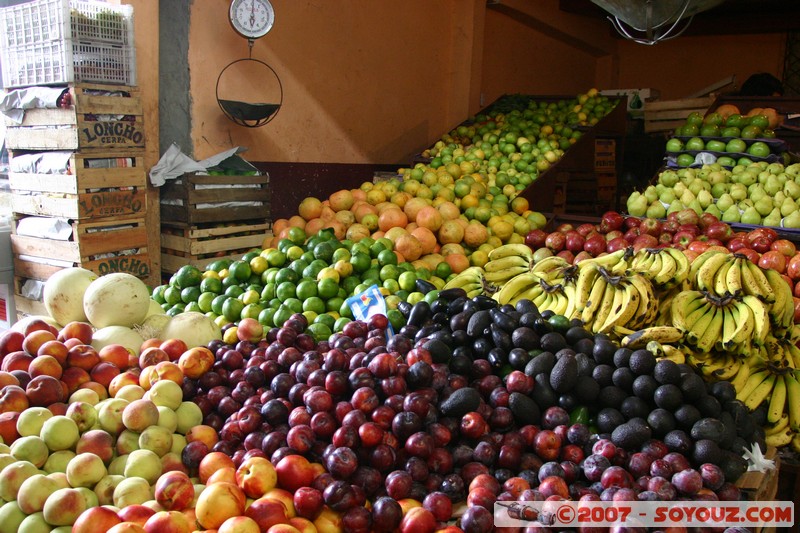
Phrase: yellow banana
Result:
[796,443]
[682,266]
[733,279]
[593,301]
[674,354]
[642,261]
[755,379]
[515,286]
[760,393]
[778,440]
[720,286]
[699,328]
[705,342]
[729,369]
[603,309]
[777,402]
[744,326]
[507,262]
[793,400]
[465,277]
[730,315]
[683,305]
[705,279]
[741,376]
[698,263]
[549,264]
[614,260]
[616,309]
[511,249]
[761,325]
[755,283]
[585,284]
[647,308]
[771,428]
[782,310]
[662,334]
[668,272]
[502,276]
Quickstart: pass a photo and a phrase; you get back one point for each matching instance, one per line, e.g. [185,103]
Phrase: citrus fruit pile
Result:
[312,276]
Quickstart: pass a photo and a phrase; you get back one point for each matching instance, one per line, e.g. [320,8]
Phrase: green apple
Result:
[759,149]
[736,146]
[715,145]
[726,161]
[685,160]
[695,143]
[674,145]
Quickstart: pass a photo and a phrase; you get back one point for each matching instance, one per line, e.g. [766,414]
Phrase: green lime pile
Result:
[314,277]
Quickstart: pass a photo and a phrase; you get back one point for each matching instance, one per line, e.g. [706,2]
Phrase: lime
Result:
[431,296]
[391,285]
[286,274]
[360,261]
[324,251]
[165,306]
[443,270]
[219,264]
[349,284]
[252,311]
[294,304]
[190,294]
[174,310]
[188,276]
[172,295]
[268,276]
[158,294]
[307,256]
[268,293]
[234,291]
[276,258]
[296,235]
[265,317]
[250,296]
[328,272]
[376,249]
[407,281]
[312,270]
[396,319]
[306,289]
[319,331]
[204,301]
[211,284]
[229,281]
[315,304]
[345,311]
[310,316]
[240,270]
[193,307]
[334,304]
[294,253]
[340,323]
[216,303]
[298,265]
[325,318]
[389,272]
[387,243]
[327,288]
[423,273]
[341,254]
[387,257]
[282,314]
[284,244]
[286,290]
[232,309]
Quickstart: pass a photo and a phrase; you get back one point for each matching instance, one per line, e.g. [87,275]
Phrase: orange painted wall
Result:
[684,65]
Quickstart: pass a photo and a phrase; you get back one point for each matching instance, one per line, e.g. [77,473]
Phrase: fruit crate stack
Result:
[77,175]
[221,215]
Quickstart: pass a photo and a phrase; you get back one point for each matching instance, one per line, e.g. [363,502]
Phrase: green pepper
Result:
[579,415]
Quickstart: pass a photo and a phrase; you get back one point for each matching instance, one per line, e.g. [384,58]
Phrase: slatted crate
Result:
[198,199]
[198,245]
[91,119]
[85,192]
[102,246]
[665,116]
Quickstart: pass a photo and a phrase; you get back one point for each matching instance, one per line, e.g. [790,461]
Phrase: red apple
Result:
[580,256]
[688,216]
[611,220]
[555,242]
[631,234]
[691,228]
[595,245]
[574,242]
[644,241]
[793,267]
[611,235]
[761,244]
[565,227]
[750,254]
[698,246]
[535,238]
[796,310]
[567,256]
[665,238]
[670,226]
[683,238]
[650,226]
[616,244]
[706,219]
[773,260]
[631,222]
[719,230]
[585,229]
[784,246]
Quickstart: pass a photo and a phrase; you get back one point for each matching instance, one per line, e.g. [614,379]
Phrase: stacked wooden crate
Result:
[209,217]
[98,194]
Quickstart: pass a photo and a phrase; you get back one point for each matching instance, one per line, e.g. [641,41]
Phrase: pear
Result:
[745,204]
[668,196]
[747,178]
[637,204]
[764,206]
[756,192]
[660,187]
[716,177]
[773,218]
[695,206]
[676,205]
[731,215]
[782,178]
[762,177]
[686,175]
[788,206]
[669,178]
[792,220]
[791,189]
[750,216]
[718,189]
[679,189]
[697,185]
[656,210]
[651,193]
[704,198]
[779,197]
[724,202]
[687,197]
[775,168]
[792,170]
[713,210]
[772,185]
[738,191]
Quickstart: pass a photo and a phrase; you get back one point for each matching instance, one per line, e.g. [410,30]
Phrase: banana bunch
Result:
[556,297]
[641,338]
[606,301]
[472,281]
[781,312]
[664,267]
[507,261]
[723,274]
[716,366]
[666,351]
[615,262]
[555,270]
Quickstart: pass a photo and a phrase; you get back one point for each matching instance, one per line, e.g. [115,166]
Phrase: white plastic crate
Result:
[58,62]
[78,20]
[48,42]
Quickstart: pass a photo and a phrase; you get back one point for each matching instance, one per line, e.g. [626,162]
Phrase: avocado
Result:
[706,451]
[686,416]
[609,418]
[668,396]
[543,394]
[678,441]
[564,374]
[633,407]
[661,421]
[730,430]
[440,352]
[623,378]
[478,323]
[461,402]
[585,364]
[723,391]
[733,466]
[693,387]
[708,428]
[603,351]
[576,333]
[644,387]
[612,396]
[632,434]
[642,362]
[553,342]
[666,371]
[584,346]
[542,363]
[524,409]
[709,406]
[602,374]
[525,338]
[586,390]
[621,357]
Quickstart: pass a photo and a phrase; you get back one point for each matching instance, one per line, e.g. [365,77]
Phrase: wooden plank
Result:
[678,104]
[27,307]
[82,206]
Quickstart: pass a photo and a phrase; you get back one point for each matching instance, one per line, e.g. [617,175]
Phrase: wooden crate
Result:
[198,245]
[85,192]
[102,246]
[77,126]
[761,486]
[196,199]
[665,116]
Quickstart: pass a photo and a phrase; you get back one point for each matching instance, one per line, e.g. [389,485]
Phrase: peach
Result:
[32,449]
[152,355]
[205,434]
[283,528]
[71,343]
[60,433]
[189,417]
[174,491]
[127,527]
[109,414]
[55,349]
[267,512]
[31,420]
[212,462]
[34,491]
[144,464]
[96,519]
[135,513]
[96,442]
[83,413]
[138,415]
[294,471]
[45,365]
[218,502]
[12,477]
[74,377]
[105,489]
[166,393]
[166,370]
[167,418]
[129,377]
[10,341]
[103,373]
[7,378]
[11,516]
[57,463]
[83,356]
[239,524]
[144,376]
[85,470]
[36,323]
[84,396]
[157,439]
[285,497]
[13,398]
[8,426]
[174,348]
[116,354]
[81,331]
[329,521]
[131,491]
[255,476]
[16,361]
[168,522]
[303,525]
[58,408]
[63,507]
[171,462]
[35,339]
[98,388]
[223,475]
[44,390]
[127,441]
[130,392]
[195,362]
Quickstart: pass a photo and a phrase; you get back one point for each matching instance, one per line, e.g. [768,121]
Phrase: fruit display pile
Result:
[469,403]
[757,194]
[727,137]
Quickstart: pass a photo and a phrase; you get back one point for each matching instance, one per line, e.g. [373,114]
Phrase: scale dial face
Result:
[251,18]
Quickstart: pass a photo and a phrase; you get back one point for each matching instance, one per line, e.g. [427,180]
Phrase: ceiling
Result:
[731,17]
